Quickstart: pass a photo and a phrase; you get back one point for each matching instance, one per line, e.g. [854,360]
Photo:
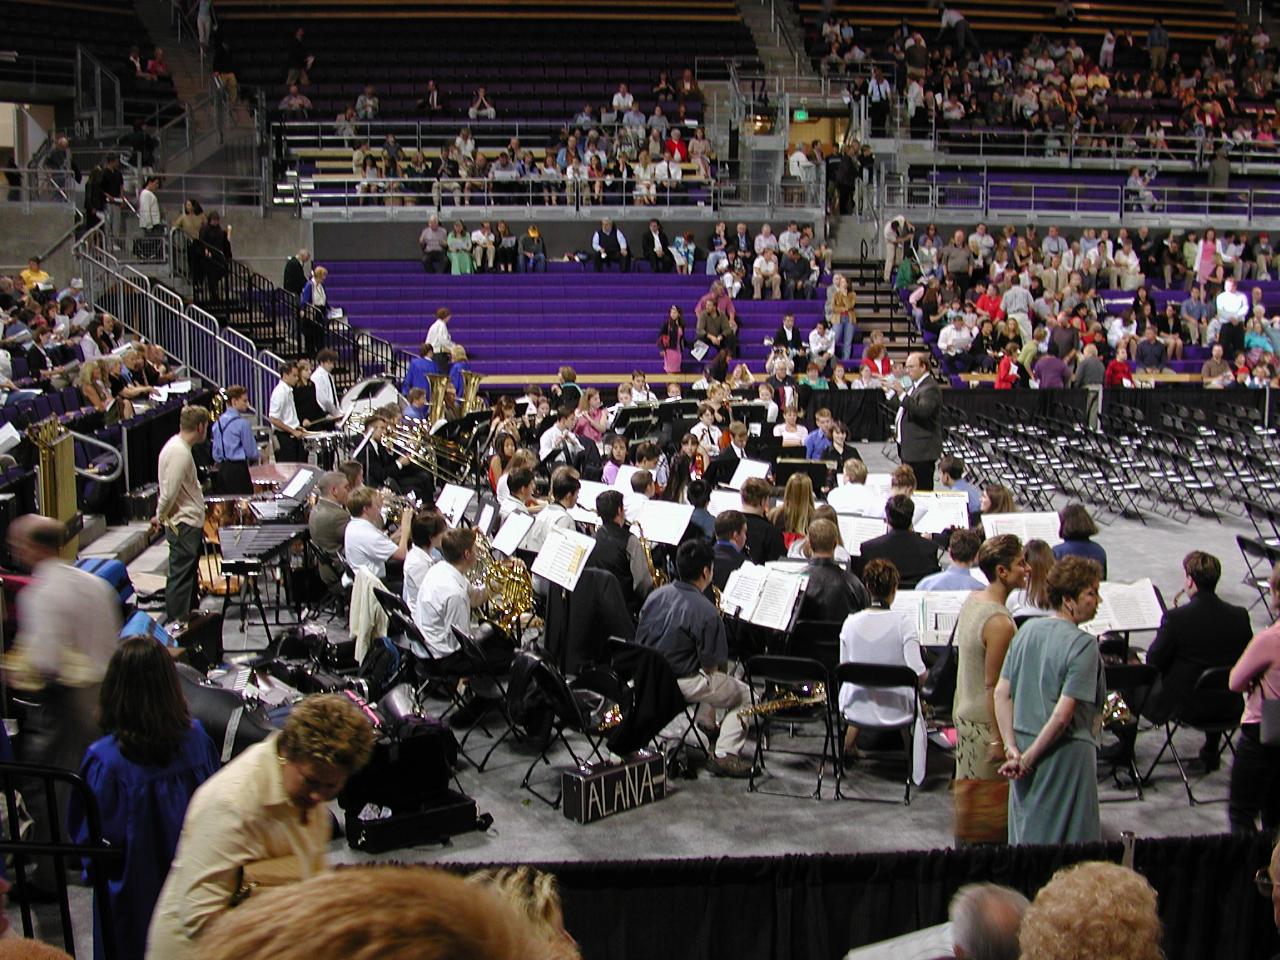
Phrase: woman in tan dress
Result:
[984,631]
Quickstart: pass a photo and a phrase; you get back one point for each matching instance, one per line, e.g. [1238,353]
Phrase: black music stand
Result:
[818,470]
[634,421]
[670,411]
[246,553]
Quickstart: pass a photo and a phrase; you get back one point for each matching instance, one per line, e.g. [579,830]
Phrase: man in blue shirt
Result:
[818,442]
[962,549]
[232,435]
[951,470]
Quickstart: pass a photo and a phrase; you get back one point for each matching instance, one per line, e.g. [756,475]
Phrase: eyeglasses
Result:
[1262,880]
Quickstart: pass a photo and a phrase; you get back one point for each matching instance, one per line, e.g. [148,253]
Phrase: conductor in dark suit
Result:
[918,420]
[1204,632]
[915,556]
[832,592]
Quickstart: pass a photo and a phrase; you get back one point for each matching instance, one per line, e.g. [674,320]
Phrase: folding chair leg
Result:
[1186,781]
[525,784]
[1168,742]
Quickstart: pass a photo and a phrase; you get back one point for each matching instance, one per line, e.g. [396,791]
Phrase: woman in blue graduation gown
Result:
[143,774]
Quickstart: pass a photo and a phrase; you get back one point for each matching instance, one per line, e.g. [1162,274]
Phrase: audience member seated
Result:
[1092,909]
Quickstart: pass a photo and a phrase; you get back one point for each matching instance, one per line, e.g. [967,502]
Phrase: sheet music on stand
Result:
[563,557]
[623,480]
[583,515]
[300,485]
[485,519]
[454,501]
[1126,607]
[933,612]
[941,510]
[663,521]
[588,491]
[512,533]
[763,597]
[722,500]
[854,531]
[1027,526]
[746,470]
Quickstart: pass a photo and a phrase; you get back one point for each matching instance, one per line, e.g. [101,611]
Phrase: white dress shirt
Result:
[281,406]
[148,210]
[820,343]
[554,437]
[554,515]
[438,337]
[67,641]
[416,564]
[326,395]
[364,545]
[953,340]
[443,603]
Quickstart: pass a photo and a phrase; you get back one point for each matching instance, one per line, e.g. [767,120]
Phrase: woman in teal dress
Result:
[459,247]
[1049,709]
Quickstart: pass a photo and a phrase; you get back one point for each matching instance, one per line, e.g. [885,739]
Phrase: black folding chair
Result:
[658,672]
[878,676]
[1260,558]
[1133,681]
[818,639]
[570,710]
[785,678]
[1211,707]
[491,659]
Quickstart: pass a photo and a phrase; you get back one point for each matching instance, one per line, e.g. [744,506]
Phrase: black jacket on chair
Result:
[913,555]
[1205,632]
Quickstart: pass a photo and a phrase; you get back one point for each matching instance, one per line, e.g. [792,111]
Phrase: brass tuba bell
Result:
[471,399]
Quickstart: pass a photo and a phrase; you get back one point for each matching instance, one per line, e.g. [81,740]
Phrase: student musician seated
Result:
[564,497]
[643,489]
[764,539]
[619,551]
[880,635]
[912,556]
[833,593]
[519,489]
[365,542]
[444,605]
[962,548]
[685,627]
[425,534]
[730,546]
[559,442]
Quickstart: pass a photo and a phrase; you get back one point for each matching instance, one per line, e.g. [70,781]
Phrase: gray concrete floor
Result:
[709,817]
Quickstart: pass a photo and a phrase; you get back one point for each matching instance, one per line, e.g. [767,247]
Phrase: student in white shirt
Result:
[149,205]
[643,489]
[560,436]
[439,340]
[284,417]
[851,495]
[640,392]
[706,432]
[790,430]
[564,493]
[519,485]
[322,377]
[424,533]
[822,345]
[366,544]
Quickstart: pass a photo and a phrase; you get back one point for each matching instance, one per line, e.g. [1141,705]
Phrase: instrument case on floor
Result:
[435,821]
[598,790]
[140,503]
[312,640]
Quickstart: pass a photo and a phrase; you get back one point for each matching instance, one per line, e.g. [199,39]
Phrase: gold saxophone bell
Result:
[1115,712]
[658,577]
[808,696]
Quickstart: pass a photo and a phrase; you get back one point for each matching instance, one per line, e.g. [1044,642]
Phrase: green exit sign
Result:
[801,115]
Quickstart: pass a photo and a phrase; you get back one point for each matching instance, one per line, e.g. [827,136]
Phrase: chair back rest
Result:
[784,669]
[554,687]
[877,675]
[818,640]
[1212,701]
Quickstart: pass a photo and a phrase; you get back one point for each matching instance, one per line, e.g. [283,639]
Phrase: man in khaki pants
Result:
[684,626]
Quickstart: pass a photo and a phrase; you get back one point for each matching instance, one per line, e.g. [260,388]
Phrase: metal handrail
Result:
[529,193]
[107,94]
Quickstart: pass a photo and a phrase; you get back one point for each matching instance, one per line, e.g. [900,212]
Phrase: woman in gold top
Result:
[984,631]
[841,319]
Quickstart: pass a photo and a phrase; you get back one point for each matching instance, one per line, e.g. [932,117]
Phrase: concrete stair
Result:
[773,50]
[184,59]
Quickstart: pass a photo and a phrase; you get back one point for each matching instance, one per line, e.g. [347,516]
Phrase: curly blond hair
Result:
[1093,910]
[535,896]
[372,913]
[327,728]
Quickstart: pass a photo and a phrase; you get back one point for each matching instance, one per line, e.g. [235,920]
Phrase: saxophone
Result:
[790,700]
[658,577]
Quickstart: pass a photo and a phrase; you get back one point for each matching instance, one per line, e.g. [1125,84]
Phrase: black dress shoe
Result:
[1211,760]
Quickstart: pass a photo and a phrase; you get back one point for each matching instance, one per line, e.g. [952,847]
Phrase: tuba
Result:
[471,399]
[437,382]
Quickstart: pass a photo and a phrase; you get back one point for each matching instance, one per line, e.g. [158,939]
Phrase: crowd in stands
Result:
[1132,86]
[1084,308]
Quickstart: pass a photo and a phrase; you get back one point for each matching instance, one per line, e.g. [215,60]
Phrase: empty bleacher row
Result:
[534,62]
[529,325]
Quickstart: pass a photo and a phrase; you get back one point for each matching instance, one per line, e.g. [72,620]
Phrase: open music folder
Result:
[942,509]
[1026,526]
[746,470]
[1126,607]
[762,596]
[934,612]
[662,521]
[563,557]
[512,533]
[854,531]
[454,501]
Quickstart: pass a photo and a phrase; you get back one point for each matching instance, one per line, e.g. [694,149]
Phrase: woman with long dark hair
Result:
[671,340]
[143,774]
